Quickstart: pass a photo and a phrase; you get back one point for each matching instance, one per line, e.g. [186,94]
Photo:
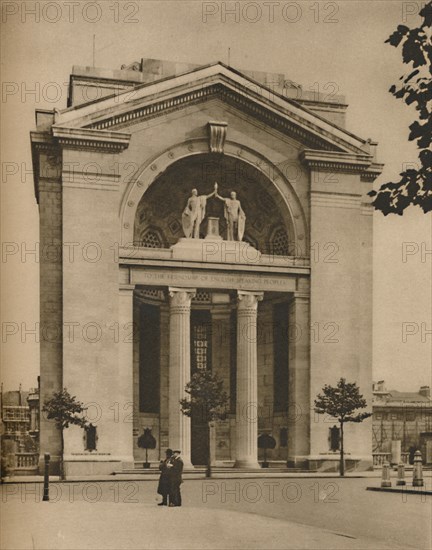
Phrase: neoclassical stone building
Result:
[131,307]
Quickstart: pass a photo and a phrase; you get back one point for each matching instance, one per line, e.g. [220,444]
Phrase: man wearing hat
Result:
[175,470]
[163,487]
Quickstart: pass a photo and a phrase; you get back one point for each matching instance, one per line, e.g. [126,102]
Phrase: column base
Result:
[248,464]
[187,464]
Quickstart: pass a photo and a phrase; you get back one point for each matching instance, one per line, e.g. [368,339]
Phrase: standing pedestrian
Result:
[175,472]
[163,486]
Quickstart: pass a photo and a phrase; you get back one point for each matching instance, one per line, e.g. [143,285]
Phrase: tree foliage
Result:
[65,410]
[415,88]
[206,393]
[341,402]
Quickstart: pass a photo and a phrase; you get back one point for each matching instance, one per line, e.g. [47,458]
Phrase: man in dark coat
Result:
[175,479]
[163,487]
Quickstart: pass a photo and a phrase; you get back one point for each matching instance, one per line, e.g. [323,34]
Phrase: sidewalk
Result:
[108,525]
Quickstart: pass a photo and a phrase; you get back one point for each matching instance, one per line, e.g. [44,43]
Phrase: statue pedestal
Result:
[215,249]
[213,229]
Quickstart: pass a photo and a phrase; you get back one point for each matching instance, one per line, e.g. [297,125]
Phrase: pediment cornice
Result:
[215,82]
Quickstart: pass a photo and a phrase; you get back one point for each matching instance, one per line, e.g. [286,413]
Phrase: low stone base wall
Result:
[89,468]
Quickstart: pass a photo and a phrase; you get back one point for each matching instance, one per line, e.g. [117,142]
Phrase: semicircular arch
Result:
[286,198]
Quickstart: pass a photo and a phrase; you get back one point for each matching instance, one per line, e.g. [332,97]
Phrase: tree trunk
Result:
[208,470]
[342,459]
[61,465]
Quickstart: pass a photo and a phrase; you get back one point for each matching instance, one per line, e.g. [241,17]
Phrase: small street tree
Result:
[208,397]
[65,410]
[415,88]
[341,402]
[146,441]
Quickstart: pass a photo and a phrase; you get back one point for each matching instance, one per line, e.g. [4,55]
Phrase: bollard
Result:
[417,470]
[46,477]
[401,474]
[385,478]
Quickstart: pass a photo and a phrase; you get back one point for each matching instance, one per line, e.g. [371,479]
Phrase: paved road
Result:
[243,513]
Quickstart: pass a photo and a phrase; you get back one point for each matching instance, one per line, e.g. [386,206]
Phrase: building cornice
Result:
[372,172]
[332,161]
[85,138]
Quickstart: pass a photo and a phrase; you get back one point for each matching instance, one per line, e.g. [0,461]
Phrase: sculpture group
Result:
[194,213]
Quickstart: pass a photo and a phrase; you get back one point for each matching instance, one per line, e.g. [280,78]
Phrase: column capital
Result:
[248,300]
[180,298]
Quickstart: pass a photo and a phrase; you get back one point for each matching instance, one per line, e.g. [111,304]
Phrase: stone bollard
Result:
[417,470]
[385,478]
[401,474]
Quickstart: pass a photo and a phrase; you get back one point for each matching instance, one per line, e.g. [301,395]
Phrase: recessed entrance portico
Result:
[230,308]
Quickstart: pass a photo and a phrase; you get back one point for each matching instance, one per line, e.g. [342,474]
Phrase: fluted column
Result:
[247,383]
[179,369]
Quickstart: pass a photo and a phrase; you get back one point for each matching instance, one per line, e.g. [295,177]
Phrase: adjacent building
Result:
[19,429]
[404,417]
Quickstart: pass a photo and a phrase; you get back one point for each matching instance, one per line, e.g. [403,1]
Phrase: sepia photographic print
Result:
[216,275]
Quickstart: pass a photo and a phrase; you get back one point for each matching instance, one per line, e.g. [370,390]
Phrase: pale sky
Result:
[312,43]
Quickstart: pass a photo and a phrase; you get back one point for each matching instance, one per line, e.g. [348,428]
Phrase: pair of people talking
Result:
[170,479]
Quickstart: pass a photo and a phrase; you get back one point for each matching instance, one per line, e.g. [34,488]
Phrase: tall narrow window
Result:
[280,350]
[200,340]
[149,362]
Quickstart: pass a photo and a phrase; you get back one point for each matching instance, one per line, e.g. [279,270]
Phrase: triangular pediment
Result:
[121,111]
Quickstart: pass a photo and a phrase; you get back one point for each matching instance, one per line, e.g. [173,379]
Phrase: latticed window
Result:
[153,293]
[202,296]
[151,239]
[280,244]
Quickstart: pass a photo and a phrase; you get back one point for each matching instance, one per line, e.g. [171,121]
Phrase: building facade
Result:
[403,417]
[19,431]
[134,303]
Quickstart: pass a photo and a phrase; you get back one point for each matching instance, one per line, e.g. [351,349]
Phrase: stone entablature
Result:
[237,255]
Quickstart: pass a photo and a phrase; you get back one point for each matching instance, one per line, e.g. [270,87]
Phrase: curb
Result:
[411,491]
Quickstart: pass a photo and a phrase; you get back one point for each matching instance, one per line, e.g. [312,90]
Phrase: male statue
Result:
[234,216]
[194,214]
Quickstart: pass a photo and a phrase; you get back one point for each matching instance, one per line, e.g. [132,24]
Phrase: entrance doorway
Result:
[200,360]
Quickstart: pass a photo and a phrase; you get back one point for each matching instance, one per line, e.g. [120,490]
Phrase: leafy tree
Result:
[340,402]
[415,185]
[64,409]
[146,441]
[207,395]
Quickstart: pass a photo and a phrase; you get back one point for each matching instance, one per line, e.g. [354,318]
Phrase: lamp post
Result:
[46,477]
